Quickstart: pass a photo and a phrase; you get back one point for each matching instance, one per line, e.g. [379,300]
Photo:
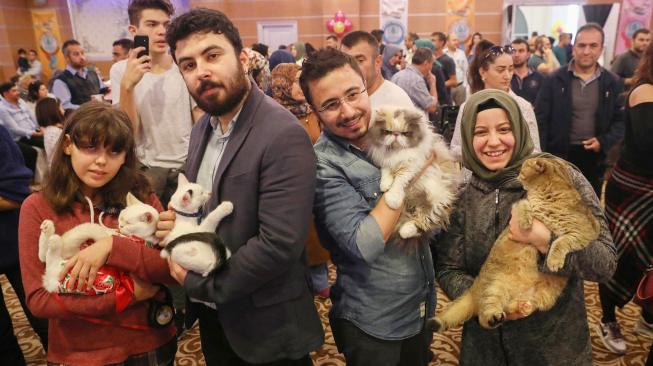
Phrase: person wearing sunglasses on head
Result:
[492,68]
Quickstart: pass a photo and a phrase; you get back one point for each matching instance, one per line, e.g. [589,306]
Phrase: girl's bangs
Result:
[103,131]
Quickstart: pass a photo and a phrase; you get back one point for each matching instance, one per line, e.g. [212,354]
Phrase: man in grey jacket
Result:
[251,151]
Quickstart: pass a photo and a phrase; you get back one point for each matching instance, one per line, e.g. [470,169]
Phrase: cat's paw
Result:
[492,320]
[386,182]
[556,258]
[47,228]
[434,325]
[226,207]
[394,199]
[524,214]
[408,230]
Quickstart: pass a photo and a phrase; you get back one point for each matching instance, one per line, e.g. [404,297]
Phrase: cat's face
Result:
[396,128]
[139,220]
[536,170]
[189,197]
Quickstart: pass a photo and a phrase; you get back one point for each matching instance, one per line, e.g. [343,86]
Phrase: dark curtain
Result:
[597,13]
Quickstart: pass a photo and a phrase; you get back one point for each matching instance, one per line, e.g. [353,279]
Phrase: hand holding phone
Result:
[142,41]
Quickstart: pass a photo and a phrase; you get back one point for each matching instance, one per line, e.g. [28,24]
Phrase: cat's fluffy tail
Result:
[457,313]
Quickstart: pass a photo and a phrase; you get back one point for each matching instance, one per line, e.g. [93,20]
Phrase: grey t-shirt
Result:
[584,102]
[625,64]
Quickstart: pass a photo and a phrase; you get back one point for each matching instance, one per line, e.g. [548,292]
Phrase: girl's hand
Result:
[538,235]
[86,263]
[177,272]
[143,290]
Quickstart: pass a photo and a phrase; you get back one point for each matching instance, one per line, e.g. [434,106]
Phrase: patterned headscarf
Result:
[281,81]
[258,68]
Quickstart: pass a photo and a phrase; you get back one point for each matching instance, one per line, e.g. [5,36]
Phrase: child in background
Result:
[49,115]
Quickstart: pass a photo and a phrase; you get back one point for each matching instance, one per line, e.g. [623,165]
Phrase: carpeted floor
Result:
[446,347]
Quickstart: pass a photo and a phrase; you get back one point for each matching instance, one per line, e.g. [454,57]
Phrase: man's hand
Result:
[592,144]
[37,133]
[431,79]
[165,224]
[136,68]
[177,272]
[538,235]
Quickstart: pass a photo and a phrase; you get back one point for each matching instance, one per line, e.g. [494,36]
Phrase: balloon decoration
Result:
[339,24]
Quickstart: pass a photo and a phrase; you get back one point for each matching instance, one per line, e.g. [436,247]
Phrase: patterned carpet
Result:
[446,347]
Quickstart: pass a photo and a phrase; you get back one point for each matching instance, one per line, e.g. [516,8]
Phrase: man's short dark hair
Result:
[126,44]
[591,26]
[282,47]
[422,55]
[5,87]
[202,20]
[520,41]
[331,36]
[378,34]
[640,31]
[68,43]
[413,36]
[353,38]
[322,63]
[440,36]
[136,7]
[21,51]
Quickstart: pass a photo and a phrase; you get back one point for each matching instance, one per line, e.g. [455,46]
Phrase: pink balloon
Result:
[330,24]
[340,15]
[348,25]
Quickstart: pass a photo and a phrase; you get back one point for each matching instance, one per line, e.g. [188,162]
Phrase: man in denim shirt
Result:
[383,292]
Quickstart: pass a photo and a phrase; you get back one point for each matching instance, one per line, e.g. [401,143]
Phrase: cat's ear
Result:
[540,166]
[132,200]
[182,180]
[412,115]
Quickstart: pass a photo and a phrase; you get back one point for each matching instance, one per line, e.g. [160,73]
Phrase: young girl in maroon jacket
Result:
[95,161]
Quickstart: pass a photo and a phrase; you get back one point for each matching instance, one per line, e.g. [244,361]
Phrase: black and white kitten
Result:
[400,141]
[195,246]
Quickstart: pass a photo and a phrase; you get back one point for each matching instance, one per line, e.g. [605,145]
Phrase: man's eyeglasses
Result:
[498,51]
[334,105]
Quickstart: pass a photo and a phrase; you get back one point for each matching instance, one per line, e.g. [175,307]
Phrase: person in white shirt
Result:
[35,66]
[364,47]
[152,92]
[458,93]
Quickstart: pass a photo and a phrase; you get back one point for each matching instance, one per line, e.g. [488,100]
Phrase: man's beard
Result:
[234,92]
[519,64]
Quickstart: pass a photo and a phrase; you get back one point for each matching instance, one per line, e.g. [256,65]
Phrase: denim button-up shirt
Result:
[385,290]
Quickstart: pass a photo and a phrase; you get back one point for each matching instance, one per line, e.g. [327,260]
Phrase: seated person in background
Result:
[49,115]
[16,117]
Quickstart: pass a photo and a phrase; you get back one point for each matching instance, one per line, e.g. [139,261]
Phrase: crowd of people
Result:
[282,136]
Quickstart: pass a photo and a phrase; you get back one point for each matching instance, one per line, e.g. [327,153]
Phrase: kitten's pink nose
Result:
[395,133]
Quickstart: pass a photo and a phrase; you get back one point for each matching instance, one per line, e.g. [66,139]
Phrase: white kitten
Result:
[198,253]
[139,219]
[399,142]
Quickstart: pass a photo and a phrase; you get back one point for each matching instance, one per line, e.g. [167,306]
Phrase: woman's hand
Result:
[143,290]
[86,263]
[538,235]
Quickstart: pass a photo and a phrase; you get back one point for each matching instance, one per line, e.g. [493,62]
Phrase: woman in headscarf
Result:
[391,58]
[258,68]
[280,57]
[495,143]
[284,84]
[492,68]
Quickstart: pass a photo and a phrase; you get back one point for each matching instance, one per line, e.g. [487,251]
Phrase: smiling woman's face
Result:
[493,139]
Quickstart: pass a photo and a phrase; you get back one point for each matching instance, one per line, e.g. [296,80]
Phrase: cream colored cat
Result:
[400,142]
[509,280]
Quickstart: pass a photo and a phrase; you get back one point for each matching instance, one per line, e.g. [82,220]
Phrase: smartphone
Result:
[142,41]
